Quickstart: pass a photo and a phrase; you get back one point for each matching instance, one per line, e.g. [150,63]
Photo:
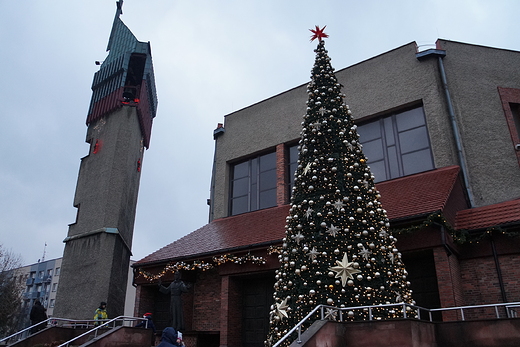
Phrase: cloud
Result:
[210,59]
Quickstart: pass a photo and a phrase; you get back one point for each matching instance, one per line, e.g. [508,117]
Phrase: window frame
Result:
[509,97]
[389,130]
[258,195]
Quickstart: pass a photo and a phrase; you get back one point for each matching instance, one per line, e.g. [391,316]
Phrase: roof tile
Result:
[487,216]
[402,197]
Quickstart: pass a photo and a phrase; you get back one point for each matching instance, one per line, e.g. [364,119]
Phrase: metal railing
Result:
[91,326]
[337,314]
[112,323]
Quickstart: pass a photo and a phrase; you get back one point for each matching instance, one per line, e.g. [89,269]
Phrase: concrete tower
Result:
[98,245]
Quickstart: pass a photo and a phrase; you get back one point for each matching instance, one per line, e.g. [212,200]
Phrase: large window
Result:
[253,184]
[397,145]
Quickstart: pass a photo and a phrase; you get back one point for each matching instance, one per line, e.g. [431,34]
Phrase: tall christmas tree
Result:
[338,250]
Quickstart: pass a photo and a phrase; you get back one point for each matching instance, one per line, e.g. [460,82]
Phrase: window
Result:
[253,184]
[51,304]
[40,274]
[57,273]
[510,98]
[515,110]
[49,272]
[397,145]
[54,287]
[293,165]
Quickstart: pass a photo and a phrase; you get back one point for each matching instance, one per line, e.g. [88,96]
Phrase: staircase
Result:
[476,326]
[73,333]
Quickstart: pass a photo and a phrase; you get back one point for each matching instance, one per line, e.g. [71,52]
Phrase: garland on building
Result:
[460,236]
[201,265]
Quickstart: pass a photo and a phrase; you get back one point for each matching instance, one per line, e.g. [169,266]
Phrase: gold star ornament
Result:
[344,269]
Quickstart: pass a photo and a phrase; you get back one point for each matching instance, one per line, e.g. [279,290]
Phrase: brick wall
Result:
[206,308]
[144,300]
[448,278]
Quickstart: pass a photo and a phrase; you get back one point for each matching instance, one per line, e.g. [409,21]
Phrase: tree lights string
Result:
[338,250]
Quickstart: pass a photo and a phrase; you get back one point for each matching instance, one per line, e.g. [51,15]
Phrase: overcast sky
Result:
[210,58]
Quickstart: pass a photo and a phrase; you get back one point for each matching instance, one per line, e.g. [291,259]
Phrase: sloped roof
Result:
[418,194]
[405,197]
[500,214]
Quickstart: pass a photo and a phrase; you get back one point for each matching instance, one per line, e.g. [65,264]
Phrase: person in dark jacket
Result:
[169,338]
[38,315]
[148,323]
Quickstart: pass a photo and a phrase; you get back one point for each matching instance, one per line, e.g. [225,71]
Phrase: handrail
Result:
[510,311]
[104,325]
[21,332]
[55,321]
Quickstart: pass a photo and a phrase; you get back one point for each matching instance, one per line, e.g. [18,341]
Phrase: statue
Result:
[175,289]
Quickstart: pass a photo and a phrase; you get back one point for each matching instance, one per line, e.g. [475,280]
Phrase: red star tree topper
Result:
[318,33]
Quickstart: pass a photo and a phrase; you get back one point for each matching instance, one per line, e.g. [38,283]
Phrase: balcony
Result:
[31,295]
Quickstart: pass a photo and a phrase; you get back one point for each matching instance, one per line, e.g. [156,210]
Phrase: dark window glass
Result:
[267,162]
[293,165]
[241,170]
[267,198]
[515,110]
[241,186]
[267,180]
[397,145]
[414,139]
[240,205]
[253,185]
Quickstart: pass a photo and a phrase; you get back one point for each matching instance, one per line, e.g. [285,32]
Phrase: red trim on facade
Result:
[145,117]
[113,101]
[108,104]
[508,96]
[282,190]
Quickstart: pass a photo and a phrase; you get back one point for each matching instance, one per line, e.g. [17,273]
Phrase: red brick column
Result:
[224,311]
[447,269]
[282,193]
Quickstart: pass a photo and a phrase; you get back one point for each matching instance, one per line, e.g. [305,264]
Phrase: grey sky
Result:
[210,58]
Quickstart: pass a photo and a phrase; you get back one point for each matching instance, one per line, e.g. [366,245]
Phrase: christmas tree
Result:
[338,250]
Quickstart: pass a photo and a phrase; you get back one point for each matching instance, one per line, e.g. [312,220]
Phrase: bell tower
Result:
[98,244]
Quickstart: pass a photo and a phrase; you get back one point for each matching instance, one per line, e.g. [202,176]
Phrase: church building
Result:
[441,131]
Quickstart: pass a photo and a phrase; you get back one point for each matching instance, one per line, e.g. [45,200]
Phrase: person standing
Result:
[38,315]
[101,314]
[169,338]
[148,323]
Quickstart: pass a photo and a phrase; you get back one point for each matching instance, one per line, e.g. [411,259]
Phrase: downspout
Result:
[464,170]
[499,271]
[456,133]
[440,54]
